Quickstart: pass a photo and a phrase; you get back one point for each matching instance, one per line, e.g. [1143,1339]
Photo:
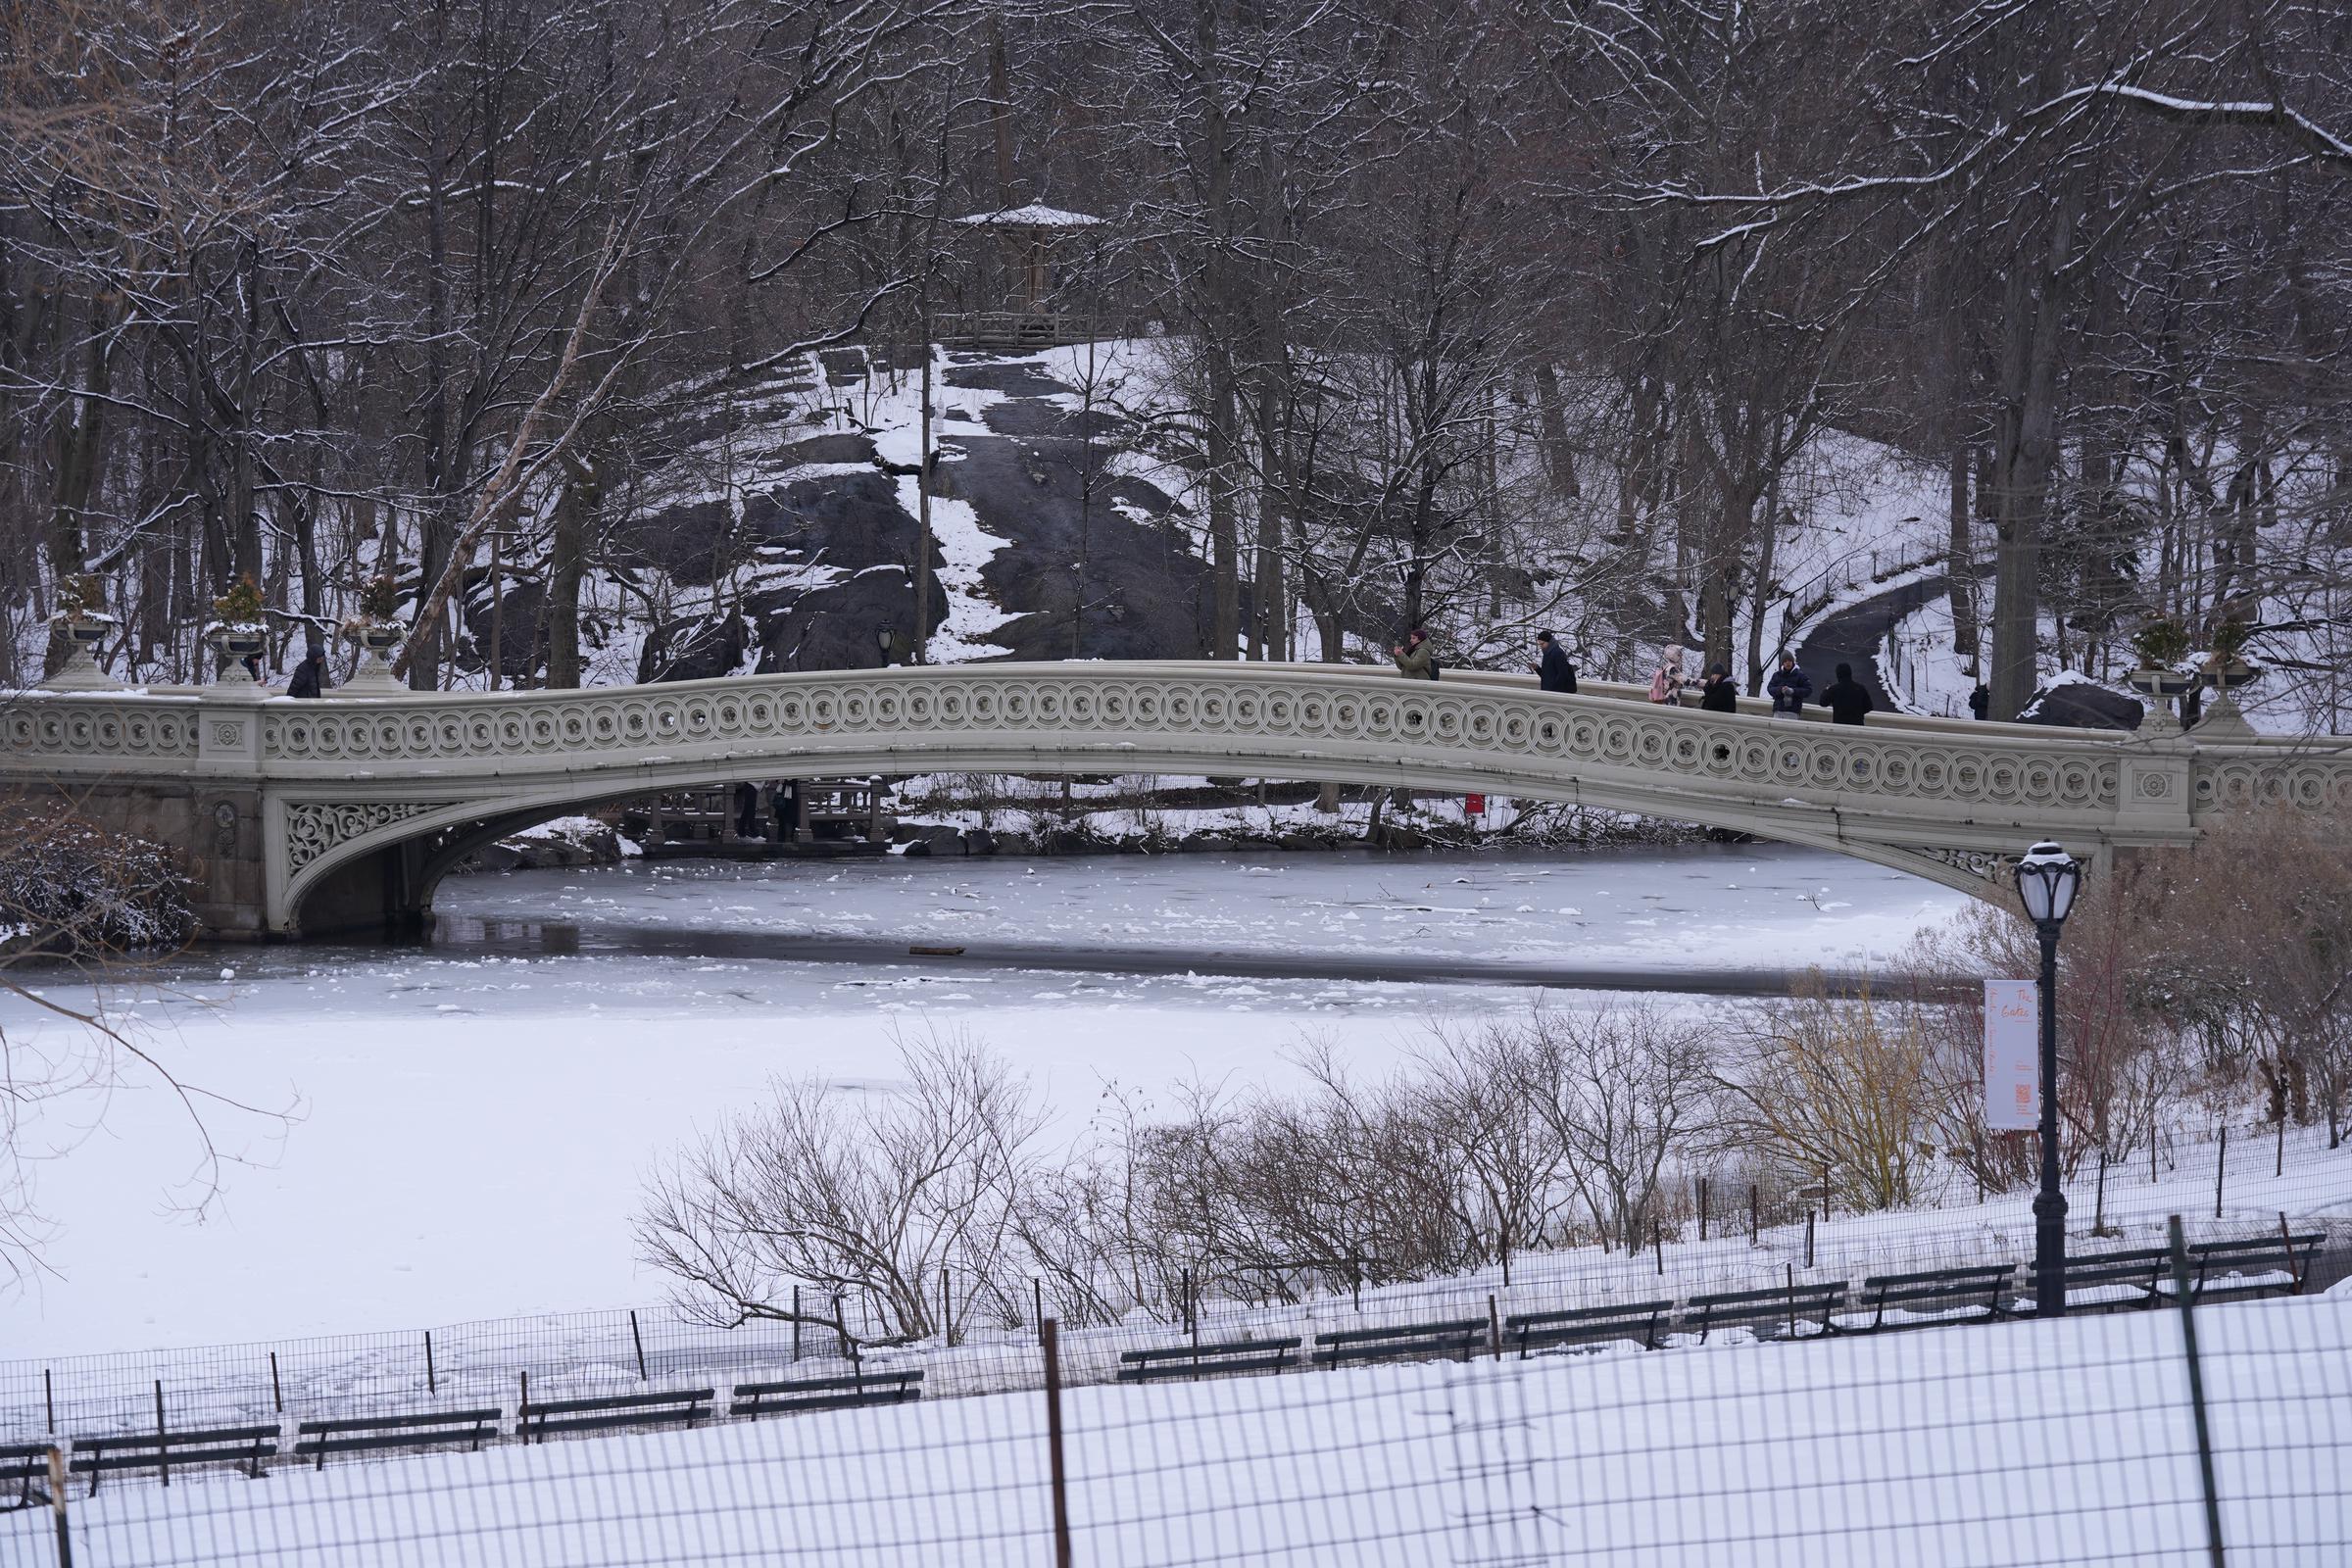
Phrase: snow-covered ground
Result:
[473,1122]
[2069,1442]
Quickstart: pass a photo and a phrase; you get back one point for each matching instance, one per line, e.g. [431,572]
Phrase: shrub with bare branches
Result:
[865,1196]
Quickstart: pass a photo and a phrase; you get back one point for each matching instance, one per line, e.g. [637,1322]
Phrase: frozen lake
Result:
[473,1116]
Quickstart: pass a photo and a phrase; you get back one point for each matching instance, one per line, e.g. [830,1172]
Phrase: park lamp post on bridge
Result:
[2047,879]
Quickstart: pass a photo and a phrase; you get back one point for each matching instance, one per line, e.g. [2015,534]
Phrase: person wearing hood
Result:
[1717,694]
[310,677]
[1846,698]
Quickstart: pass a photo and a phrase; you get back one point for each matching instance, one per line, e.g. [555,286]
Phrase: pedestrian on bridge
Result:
[1666,686]
[1789,688]
[1847,698]
[1415,656]
[1553,671]
[1717,694]
[310,677]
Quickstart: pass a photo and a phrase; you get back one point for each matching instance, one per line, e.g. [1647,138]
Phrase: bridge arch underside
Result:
[397,845]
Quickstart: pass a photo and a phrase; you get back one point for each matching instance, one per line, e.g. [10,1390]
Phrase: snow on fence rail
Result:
[501,1363]
[2121,1437]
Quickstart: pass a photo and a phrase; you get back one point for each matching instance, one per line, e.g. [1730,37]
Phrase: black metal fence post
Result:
[1060,1476]
[2196,1396]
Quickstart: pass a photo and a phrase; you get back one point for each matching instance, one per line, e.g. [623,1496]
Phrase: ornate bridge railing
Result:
[329,782]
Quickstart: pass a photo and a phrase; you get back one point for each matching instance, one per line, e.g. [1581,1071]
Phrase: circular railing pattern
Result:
[64,728]
[1263,713]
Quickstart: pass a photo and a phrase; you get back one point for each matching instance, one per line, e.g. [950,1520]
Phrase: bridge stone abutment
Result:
[302,818]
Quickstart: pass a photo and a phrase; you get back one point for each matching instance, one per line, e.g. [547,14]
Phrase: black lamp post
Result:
[2047,879]
[886,638]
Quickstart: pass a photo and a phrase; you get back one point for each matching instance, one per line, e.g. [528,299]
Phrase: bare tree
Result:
[906,1199]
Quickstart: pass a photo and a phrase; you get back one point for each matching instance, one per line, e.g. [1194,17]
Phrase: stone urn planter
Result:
[2162,688]
[86,633]
[2223,718]
[376,640]
[236,641]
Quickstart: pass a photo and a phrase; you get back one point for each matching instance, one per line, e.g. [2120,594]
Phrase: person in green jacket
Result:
[1415,656]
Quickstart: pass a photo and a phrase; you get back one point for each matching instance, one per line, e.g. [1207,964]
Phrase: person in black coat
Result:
[1789,688]
[1553,671]
[1847,697]
[1979,701]
[1717,694]
[310,677]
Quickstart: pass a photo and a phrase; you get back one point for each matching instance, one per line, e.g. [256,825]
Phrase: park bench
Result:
[2107,1281]
[1586,1326]
[826,1394]
[23,1463]
[1205,1360]
[1971,1294]
[423,1428]
[2246,1267]
[167,1451]
[1786,1311]
[677,1408]
[1404,1342]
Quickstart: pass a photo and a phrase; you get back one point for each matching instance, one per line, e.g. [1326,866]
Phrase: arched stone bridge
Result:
[308,816]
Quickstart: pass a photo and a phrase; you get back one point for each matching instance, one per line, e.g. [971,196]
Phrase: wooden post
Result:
[1037,1300]
[638,1341]
[796,1322]
[432,1385]
[1658,1242]
[163,1439]
[1702,1208]
[1494,1325]
[946,1313]
[2294,1275]
[57,1501]
[1059,1477]
[1808,1238]
[2221,1164]
[2099,1207]
[2279,1168]
[278,1396]
[1754,1231]
[522,1411]
[49,1397]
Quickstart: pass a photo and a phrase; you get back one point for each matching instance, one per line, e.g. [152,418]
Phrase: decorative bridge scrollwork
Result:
[314,827]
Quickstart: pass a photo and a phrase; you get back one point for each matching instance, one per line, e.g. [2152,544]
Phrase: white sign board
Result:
[2012,1055]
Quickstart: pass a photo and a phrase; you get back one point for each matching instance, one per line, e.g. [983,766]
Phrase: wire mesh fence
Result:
[2247,1189]
[2084,1440]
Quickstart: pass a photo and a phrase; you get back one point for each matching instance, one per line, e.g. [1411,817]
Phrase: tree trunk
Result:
[2026,457]
[1559,456]
[1959,566]
[1225,566]
[566,563]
